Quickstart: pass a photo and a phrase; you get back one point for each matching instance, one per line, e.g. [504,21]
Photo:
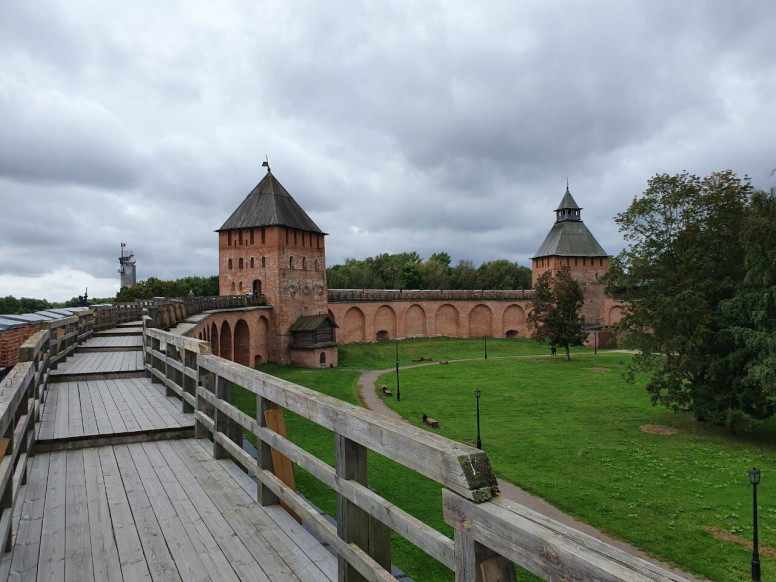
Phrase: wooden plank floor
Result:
[153,511]
[124,330]
[88,408]
[113,341]
[100,363]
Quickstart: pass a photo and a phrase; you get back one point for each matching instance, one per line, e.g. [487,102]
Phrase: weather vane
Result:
[265,163]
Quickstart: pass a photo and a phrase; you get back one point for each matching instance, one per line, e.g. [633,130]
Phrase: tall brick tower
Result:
[270,246]
[570,243]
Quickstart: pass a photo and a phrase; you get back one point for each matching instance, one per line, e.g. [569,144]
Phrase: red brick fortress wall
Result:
[381,315]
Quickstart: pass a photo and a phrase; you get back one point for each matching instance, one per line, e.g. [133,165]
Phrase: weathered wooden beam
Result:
[545,547]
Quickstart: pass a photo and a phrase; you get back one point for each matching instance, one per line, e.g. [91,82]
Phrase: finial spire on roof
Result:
[265,163]
[567,183]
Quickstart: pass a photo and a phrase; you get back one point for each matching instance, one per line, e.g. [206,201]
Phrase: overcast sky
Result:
[428,126]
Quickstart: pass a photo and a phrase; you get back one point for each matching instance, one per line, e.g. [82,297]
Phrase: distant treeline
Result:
[12,306]
[410,271]
[153,287]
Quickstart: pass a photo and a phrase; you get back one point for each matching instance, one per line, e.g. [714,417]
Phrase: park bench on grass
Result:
[443,362]
[423,359]
[385,390]
[430,421]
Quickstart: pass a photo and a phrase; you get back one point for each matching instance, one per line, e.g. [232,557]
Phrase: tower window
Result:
[252,236]
[291,262]
[229,264]
[240,263]
[315,264]
[263,238]
[304,263]
[263,262]
[251,262]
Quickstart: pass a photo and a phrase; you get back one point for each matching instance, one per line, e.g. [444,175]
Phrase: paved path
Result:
[367,393]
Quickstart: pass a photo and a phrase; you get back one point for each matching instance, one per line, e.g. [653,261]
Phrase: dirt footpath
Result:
[367,393]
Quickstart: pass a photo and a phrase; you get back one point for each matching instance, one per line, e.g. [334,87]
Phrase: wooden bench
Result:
[444,362]
[430,421]
[423,359]
[385,390]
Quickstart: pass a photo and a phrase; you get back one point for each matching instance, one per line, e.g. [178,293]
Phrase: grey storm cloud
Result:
[436,126]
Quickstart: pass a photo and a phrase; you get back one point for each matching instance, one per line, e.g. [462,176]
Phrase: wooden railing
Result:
[166,313]
[491,534]
[21,398]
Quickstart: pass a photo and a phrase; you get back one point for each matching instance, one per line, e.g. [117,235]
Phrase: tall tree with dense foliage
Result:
[749,317]
[555,306]
[684,266]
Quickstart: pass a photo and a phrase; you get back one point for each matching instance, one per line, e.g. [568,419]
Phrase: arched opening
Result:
[291,263]
[323,359]
[225,341]
[240,263]
[263,262]
[256,287]
[251,262]
[214,339]
[315,264]
[383,335]
[304,263]
[512,333]
[257,360]
[232,287]
[242,343]
[354,326]
[229,264]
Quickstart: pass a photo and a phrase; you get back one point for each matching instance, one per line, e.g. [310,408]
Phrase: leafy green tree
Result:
[685,260]
[503,274]
[463,275]
[554,314]
[749,318]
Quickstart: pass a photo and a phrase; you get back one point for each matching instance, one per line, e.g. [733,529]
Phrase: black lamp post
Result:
[477,394]
[486,347]
[398,389]
[754,479]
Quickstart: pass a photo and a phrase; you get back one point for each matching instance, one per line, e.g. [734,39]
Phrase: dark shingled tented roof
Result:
[269,204]
[569,237]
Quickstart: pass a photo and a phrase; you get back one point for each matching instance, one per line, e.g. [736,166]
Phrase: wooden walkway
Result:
[111,496]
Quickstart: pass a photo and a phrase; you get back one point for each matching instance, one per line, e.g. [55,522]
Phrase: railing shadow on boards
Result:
[22,393]
[491,534]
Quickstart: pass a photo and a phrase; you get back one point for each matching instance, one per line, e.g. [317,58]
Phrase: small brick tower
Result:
[269,246]
[570,243]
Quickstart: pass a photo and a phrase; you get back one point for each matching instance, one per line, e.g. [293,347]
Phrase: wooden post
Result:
[264,453]
[353,523]
[223,423]
[171,373]
[477,563]
[189,383]
[156,345]
[207,381]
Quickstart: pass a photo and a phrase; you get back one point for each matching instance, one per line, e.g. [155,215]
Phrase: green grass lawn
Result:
[382,355]
[569,432]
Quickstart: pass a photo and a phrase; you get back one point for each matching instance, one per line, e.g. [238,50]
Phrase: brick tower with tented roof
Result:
[570,243]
